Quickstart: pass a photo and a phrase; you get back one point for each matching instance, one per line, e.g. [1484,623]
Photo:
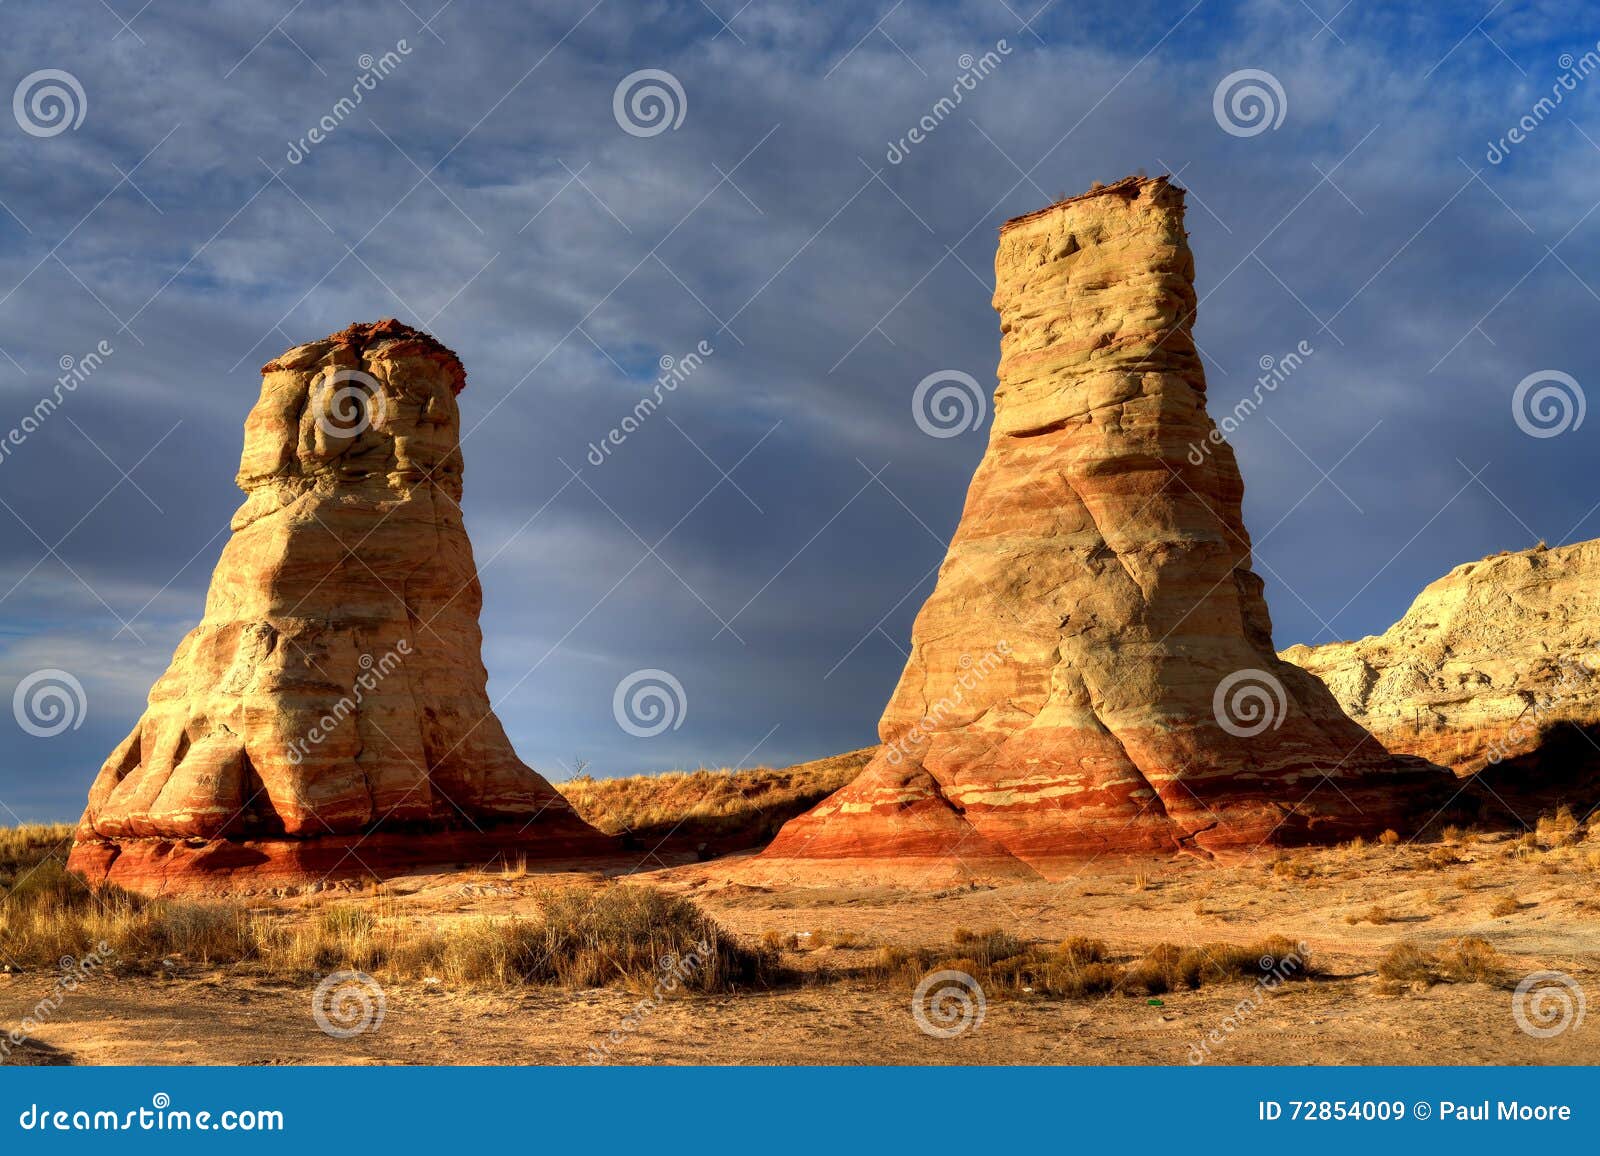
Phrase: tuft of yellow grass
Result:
[613,936]
[1005,966]
[1375,914]
[1469,959]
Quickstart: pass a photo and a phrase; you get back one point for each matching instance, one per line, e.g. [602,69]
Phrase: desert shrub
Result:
[1375,914]
[1442,856]
[1506,905]
[1408,963]
[1469,959]
[1472,959]
[1558,828]
[1081,967]
[1390,837]
[625,935]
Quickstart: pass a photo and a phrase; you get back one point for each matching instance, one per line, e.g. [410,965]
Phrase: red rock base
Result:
[155,866]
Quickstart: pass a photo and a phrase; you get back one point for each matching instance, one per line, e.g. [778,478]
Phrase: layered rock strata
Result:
[1492,670]
[1094,671]
[328,716]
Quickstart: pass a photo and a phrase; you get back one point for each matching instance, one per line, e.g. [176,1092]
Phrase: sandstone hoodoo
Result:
[1493,670]
[1094,671]
[328,717]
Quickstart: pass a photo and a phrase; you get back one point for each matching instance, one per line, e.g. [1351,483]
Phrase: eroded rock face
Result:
[329,713]
[1080,680]
[1493,664]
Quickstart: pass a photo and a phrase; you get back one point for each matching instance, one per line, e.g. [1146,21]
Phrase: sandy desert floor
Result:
[1349,905]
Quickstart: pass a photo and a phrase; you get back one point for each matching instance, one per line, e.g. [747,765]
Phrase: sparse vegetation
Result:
[731,809]
[1375,914]
[1469,959]
[1506,905]
[621,935]
[1077,967]
[1560,828]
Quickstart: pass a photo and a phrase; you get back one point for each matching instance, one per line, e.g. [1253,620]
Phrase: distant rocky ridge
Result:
[1492,670]
[1094,670]
[328,717]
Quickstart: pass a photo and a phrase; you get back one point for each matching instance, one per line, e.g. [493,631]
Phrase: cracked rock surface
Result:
[1059,698]
[1492,671]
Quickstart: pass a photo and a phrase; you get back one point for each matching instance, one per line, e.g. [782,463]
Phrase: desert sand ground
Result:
[1349,905]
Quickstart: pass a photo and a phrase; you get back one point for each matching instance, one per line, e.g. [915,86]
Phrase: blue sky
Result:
[770,532]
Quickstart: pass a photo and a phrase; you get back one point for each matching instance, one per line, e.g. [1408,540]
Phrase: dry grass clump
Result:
[49,915]
[1442,856]
[1469,959]
[1390,837]
[734,807]
[1559,829]
[1375,915]
[625,935]
[1285,867]
[1079,967]
[24,848]
[1506,905]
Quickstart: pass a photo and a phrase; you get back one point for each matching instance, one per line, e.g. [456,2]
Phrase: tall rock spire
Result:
[1094,670]
[329,714]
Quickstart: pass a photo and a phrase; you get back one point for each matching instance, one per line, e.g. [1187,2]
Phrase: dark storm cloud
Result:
[485,190]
